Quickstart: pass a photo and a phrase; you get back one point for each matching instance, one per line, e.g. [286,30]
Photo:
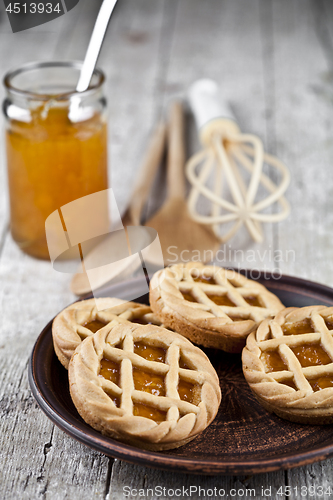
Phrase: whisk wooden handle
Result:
[206,103]
[176,152]
[212,113]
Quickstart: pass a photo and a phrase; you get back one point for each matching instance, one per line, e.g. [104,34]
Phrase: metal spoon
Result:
[89,63]
[95,44]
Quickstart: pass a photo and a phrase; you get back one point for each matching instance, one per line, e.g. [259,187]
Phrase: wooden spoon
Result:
[80,284]
[182,239]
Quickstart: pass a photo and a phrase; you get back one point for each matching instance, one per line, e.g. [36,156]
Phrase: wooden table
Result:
[274,61]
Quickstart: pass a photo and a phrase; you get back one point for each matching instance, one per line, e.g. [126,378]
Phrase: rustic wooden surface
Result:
[274,59]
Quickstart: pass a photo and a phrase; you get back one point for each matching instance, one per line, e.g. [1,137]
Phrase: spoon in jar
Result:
[75,113]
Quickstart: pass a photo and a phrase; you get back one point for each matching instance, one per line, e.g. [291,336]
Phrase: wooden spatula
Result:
[182,239]
[80,284]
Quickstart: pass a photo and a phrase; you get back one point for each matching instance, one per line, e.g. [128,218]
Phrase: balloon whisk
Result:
[227,158]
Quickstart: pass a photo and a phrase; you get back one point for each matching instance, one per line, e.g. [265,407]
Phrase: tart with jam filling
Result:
[288,364]
[86,317]
[211,306]
[144,385]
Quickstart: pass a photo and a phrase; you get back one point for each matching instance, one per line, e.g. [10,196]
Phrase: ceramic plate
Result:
[243,439]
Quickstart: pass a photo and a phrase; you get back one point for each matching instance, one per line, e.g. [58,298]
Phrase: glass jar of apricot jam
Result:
[56,142]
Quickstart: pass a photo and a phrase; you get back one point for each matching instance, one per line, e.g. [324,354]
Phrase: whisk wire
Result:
[241,150]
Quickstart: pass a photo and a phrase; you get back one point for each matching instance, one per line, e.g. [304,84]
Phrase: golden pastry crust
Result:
[111,407]
[288,364]
[202,320]
[68,329]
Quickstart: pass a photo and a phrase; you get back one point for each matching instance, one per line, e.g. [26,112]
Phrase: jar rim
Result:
[31,66]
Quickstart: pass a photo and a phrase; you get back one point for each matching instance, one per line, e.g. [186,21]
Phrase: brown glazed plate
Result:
[243,439]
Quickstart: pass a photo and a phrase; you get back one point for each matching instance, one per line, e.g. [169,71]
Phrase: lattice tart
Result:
[84,318]
[288,364]
[211,306]
[144,385]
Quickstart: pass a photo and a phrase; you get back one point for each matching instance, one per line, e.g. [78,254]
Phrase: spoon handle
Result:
[95,44]
[176,152]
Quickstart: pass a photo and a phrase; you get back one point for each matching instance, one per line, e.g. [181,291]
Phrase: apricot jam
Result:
[188,296]
[142,410]
[94,325]
[141,321]
[148,382]
[290,383]
[311,355]
[183,364]
[152,353]
[273,361]
[114,398]
[110,370]
[209,280]
[186,391]
[221,300]
[51,162]
[253,301]
[320,383]
[329,323]
[304,326]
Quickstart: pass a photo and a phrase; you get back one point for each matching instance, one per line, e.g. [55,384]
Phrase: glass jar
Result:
[56,142]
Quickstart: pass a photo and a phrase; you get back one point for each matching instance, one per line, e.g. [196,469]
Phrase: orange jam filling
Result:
[188,296]
[94,325]
[304,326]
[273,361]
[205,279]
[290,383]
[51,162]
[141,321]
[221,300]
[253,301]
[182,364]
[114,398]
[110,370]
[320,383]
[311,354]
[150,352]
[142,410]
[148,382]
[329,323]
[186,391]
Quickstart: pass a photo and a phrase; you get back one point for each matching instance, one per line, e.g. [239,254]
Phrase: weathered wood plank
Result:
[252,58]
[300,128]
[303,120]
[131,61]
[23,47]
[192,57]
[222,41]
[276,71]
[37,459]
[127,481]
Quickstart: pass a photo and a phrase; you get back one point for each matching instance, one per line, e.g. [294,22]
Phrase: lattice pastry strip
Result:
[211,306]
[288,364]
[143,384]
[82,319]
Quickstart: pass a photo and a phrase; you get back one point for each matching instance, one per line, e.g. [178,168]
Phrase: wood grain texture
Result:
[274,60]
[125,476]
